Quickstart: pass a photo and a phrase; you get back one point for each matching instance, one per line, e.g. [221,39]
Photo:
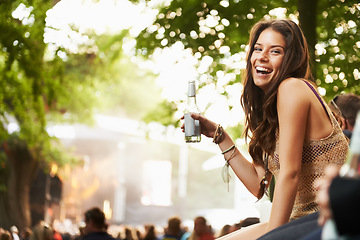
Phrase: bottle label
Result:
[192,126]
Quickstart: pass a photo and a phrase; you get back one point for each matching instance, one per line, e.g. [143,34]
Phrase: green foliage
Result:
[31,88]
[38,86]
[125,88]
[22,68]
[208,27]
[228,27]
[184,22]
[235,131]
[163,113]
[338,36]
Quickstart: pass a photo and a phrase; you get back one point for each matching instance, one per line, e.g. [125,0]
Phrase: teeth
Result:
[262,69]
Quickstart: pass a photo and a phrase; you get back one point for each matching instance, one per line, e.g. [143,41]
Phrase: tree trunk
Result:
[308,13]
[14,201]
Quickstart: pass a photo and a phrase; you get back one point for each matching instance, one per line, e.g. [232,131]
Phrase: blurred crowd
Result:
[95,227]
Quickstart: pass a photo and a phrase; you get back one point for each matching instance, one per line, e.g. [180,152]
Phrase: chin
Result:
[260,84]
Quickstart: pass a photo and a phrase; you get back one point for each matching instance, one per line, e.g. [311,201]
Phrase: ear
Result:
[344,123]
[348,125]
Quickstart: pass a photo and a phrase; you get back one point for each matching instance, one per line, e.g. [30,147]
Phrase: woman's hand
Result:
[208,127]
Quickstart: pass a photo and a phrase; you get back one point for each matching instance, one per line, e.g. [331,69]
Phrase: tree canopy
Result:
[42,84]
[220,29]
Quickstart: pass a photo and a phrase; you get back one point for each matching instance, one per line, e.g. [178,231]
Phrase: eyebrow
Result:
[272,46]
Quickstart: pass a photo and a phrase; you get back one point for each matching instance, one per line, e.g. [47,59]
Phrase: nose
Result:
[263,56]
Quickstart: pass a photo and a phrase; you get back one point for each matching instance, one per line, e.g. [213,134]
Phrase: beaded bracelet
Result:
[216,133]
[219,132]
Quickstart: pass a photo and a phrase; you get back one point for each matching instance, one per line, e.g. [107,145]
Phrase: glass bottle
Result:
[192,126]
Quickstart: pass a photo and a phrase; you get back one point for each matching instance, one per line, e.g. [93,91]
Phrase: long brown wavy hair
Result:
[261,118]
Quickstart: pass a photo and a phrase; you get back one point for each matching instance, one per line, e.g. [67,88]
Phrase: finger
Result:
[195,116]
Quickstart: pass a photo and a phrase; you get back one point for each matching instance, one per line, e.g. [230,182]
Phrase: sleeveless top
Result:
[317,154]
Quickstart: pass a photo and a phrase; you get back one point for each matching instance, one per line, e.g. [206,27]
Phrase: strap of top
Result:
[317,95]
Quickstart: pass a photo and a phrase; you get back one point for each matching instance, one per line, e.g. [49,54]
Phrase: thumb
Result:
[195,116]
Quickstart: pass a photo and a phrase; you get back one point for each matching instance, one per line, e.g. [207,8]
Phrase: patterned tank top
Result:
[316,156]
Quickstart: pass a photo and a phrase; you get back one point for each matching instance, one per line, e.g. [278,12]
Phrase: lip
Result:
[262,76]
[263,70]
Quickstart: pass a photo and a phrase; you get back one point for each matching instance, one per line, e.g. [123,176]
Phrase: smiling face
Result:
[267,58]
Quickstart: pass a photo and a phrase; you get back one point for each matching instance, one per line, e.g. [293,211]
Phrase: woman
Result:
[289,126]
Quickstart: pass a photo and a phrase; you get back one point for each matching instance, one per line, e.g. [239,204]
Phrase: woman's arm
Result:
[293,106]
[248,173]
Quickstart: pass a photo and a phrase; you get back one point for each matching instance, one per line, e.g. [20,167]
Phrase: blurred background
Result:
[92,92]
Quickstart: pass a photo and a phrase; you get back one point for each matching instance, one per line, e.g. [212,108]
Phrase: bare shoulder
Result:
[292,84]
[293,106]
[293,88]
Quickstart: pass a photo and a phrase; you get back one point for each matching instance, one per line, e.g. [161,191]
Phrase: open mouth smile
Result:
[263,70]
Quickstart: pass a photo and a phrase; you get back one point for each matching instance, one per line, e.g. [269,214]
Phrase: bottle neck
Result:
[191,100]
[191,104]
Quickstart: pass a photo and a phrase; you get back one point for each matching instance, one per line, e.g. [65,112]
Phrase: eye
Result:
[276,51]
[257,49]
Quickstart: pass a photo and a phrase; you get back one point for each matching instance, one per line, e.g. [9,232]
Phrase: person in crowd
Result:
[118,237]
[224,230]
[346,106]
[249,221]
[339,196]
[150,233]
[25,233]
[42,231]
[14,233]
[138,234]
[95,225]
[293,133]
[81,234]
[339,199]
[235,227]
[5,235]
[57,235]
[202,231]
[173,231]
[66,236]
[128,234]
[186,233]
